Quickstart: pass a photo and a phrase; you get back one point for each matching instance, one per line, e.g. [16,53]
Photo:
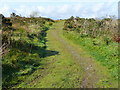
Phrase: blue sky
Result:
[60,9]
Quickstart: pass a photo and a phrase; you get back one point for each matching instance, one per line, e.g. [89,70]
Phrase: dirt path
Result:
[93,72]
[72,67]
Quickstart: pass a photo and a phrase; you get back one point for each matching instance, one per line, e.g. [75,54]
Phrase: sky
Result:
[60,9]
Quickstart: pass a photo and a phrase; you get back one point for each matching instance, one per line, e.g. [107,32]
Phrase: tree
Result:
[13,15]
[71,18]
[34,14]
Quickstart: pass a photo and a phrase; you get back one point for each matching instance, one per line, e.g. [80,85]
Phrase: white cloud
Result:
[5,10]
[77,7]
[64,10]
[24,10]
[59,0]
[97,7]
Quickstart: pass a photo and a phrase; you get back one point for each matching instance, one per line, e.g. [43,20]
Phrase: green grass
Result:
[55,67]
[106,54]
[60,70]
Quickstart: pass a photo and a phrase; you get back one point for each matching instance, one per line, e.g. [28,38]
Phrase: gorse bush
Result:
[6,26]
[105,28]
[27,44]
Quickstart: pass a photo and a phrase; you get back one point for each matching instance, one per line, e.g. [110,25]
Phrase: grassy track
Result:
[66,65]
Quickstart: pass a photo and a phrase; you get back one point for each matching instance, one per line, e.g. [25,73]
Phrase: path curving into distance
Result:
[71,67]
